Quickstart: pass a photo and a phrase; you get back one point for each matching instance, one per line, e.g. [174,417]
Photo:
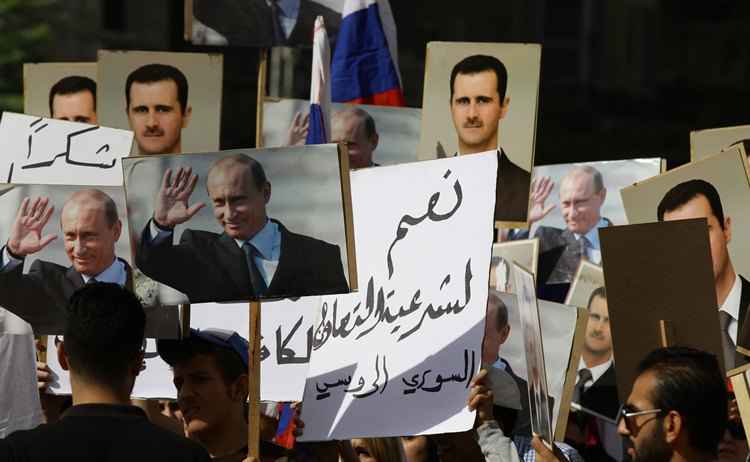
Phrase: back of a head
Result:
[70,85]
[686,191]
[103,333]
[690,382]
[151,73]
[475,64]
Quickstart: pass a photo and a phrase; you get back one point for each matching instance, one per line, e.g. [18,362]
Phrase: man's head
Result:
[91,228]
[478,102]
[699,199]
[103,343]
[582,194]
[156,98]
[356,128]
[210,374]
[496,327]
[239,191]
[73,98]
[598,341]
[686,394]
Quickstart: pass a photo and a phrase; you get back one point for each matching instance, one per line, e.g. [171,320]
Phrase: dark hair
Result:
[687,191]
[493,298]
[103,332]
[479,63]
[600,292]
[690,382]
[69,85]
[229,363]
[256,169]
[151,73]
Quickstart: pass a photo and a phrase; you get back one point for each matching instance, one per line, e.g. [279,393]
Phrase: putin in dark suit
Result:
[254,257]
[91,228]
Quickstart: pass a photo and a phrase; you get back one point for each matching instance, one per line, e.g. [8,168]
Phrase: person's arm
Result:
[495,446]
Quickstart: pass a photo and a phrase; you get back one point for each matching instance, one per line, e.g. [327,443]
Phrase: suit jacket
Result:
[249,23]
[559,253]
[98,432]
[743,327]
[41,297]
[512,190]
[601,396]
[210,267]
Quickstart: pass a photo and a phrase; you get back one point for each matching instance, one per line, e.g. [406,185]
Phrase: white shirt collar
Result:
[596,371]
[732,303]
[115,273]
[593,234]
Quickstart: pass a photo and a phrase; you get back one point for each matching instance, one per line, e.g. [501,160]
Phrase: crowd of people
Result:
[679,407]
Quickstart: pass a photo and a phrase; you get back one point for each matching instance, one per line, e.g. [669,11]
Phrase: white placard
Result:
[50,151]
[286,328]
[286,331]
[155,381]
[397,358]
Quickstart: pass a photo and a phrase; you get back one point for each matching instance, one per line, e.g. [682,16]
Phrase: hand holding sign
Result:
[26,232]
[171,203]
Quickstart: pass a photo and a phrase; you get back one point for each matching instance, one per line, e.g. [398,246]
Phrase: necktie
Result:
[726,341]
[584,375]
[91,281]
[585,247]
[279,37]
[258,284]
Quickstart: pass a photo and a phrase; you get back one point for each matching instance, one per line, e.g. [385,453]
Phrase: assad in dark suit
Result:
[252,22]
[254,257]
[91,228]
[478,103]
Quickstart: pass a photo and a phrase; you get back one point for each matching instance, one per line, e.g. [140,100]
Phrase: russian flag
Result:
[319,130]
[364,69]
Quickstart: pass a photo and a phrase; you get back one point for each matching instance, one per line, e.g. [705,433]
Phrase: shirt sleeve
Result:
[156,234]
[495,446]
[8,261]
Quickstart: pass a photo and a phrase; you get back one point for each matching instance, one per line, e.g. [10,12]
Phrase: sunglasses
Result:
[628,411]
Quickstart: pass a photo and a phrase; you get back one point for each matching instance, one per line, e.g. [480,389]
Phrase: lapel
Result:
[739,358]
[74,281]
[287,260]
[233,262]
[128,275]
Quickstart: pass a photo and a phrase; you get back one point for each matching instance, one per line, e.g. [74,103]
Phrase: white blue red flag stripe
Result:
[319,130]
[364,69]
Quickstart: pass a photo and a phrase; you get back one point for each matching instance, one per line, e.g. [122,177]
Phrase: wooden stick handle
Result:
[253,443]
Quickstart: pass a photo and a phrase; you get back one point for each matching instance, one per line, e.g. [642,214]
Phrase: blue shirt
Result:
[267,242]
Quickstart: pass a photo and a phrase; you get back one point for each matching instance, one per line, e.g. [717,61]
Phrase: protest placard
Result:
[398,357]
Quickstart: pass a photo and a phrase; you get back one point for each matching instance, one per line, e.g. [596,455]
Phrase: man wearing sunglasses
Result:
[677,409]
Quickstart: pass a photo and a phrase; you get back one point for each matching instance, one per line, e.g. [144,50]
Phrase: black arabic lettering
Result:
[410,220]
[65,154]
[377,311]
[324,393]
[415,383]
[286,355]
[376,386]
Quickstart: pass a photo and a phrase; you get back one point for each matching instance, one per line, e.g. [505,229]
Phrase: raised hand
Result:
[540,190]
[297,133]
[171,203]
[26,232]
[481,397]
